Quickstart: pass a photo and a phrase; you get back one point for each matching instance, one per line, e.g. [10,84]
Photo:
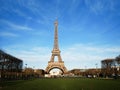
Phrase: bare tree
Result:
[117,60]
[107,67]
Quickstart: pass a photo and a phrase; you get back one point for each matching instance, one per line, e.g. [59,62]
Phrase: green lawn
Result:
[62,84]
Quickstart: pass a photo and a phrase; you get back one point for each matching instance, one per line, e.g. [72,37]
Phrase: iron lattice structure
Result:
[56,53]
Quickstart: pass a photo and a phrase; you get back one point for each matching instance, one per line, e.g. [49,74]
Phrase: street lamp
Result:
[96,66]
[26,65]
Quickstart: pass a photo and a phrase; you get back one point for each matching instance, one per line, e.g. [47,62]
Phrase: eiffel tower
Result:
[56,53]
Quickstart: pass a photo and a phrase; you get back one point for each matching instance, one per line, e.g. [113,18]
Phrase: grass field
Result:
[62,84]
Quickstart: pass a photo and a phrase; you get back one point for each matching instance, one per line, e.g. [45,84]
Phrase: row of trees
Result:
[95,72]
[109,68]
[34,72]
[27,73]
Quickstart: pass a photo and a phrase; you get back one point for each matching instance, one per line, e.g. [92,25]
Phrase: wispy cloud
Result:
[16,26]
[8,34]
[95,49]
[81,55]
[98,6]
[40,10]
[36,56]
[18,12]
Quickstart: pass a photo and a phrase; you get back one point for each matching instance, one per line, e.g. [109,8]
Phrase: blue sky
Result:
[89,30]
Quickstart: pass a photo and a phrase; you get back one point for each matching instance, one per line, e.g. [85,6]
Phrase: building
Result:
[10,66]
[10,63]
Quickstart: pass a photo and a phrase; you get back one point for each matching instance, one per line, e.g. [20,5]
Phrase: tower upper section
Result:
[56,47]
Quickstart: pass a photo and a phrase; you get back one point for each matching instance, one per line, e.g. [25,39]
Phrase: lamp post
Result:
[96,66]
[96,70]
[26,65]
[25,71]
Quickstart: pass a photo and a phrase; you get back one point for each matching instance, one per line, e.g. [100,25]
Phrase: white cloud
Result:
[8,34]
[75,56]
[16,26]
[40,10]
[98,6]
[36,56]
[19,12]
[81,55]
[22,14]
